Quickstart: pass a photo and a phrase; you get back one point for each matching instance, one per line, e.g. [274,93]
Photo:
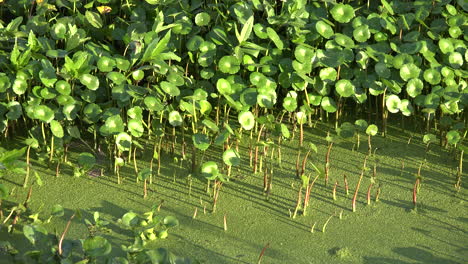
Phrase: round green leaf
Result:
[92,112]
[406,108]
[176,78]
[446,46]
[229,64]
[201,141]
[301,117]
[432,76]
[266,98]
[175,119]
[455,59]
[116,77]
[409,71]
[123,141]
[153,104]
[361,124]
[43,113]
[19,86]
[194,43]
[106,64]
[328,104]
[144,174]
[382,70]
[361,33]
[344,41]
[205,107]
[324,29]
[414,87]
[135,126]
[393,103]
[202,19]
[56,128]
[344,88]
[130,219]
[14,110]
[453,137]
[86,160]
[224,87]
[113,125]
[231,157]
[328,74]
[258,79]
[210,170]
[90,81]
[170,88]
[247,120]
[289,104]
[303,54]
[429,138]
[58,30]
[342,13]
[346,130]
[372,130]
[455,32]
[96,246]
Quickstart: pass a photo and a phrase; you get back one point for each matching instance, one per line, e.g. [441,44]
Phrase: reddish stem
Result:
[369,193]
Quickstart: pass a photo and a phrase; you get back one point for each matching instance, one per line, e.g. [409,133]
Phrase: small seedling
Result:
[334,190]
[195,213]
[298,202]
[415,192]
[346,184]
[358,185]
[377,194]
[225,223]
[326,223]
[369,193]
[312,228]
[327,158]
[262,253]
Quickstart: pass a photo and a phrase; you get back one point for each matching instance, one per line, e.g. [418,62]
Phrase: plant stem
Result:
[64,233]
[369,145]
[225,223]
[327,162]
[135,163]
[359,184]
[346,184]
[262,253]
[369,193]
[313,227]
[460,171]
[308,192]
[326,223]
[298,203]
[334,190]
[145,193]
[51,148]
[28,165]
[377,195]
[415,192]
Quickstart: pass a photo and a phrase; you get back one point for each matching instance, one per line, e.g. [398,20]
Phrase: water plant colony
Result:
[94,86]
